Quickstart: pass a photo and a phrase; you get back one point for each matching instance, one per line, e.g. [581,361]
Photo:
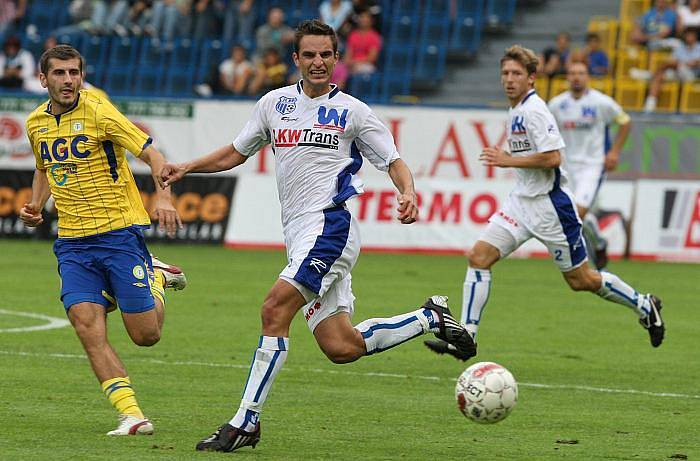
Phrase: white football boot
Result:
[174,277]
[131,425]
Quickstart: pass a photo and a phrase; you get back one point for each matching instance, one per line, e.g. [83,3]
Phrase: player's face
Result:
[316,60]
[577,75]
[515,80]
[63,80]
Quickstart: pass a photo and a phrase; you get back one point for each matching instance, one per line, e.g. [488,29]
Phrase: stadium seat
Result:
[690,98]
[630,94]
[667,101]
[151,54]
[557,85]
[118,80]
[430,66]
[179,82]
[403,30]
[123,51]
[624,40]
[437,9]
[499,13]
[630,10]
[149,81]
[466,32]
[184,54]
[365,86]
[94,49]
[542,87]
[213,52]
[405,7]
[657,59]
[606,28]
[74,40]
[603,84]
[626,60]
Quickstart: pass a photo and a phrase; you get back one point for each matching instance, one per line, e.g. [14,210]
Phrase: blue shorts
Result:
[117,263]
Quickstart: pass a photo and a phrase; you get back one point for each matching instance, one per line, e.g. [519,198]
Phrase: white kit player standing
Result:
[319,136]
[584,116]
[540,206]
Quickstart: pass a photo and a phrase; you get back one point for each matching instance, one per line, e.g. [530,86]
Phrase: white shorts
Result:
[322,249]
[552,219]
[585,181]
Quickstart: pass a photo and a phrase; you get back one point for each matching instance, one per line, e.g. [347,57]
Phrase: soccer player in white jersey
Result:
[319,136]
[584,116]
[540,206]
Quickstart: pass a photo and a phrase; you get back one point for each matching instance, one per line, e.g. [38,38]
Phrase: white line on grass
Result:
[53,322]
[576,387]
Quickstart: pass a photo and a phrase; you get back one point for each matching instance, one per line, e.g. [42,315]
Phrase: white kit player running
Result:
[584,116]
[319,136]
[539,207]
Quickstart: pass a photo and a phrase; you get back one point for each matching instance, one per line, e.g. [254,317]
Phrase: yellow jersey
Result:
[83,153]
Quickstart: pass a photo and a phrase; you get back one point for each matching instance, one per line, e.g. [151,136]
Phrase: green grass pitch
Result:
[590,384]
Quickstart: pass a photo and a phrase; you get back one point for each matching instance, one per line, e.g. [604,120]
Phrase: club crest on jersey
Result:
[286,105]
[330,119]
[60,172]
[77,126]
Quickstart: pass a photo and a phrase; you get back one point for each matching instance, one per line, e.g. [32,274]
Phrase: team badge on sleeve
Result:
[286,105]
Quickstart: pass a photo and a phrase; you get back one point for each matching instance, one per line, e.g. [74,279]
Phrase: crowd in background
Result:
[667,26]
[260,53]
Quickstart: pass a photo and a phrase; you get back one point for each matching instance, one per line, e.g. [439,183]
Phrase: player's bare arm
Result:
[165,212]
[222,159]
[612,158]
[402,178]
[30,214]
[494,156]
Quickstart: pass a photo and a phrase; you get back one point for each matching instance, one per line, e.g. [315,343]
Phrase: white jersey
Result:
[531,130]
[318,144]
[584,125]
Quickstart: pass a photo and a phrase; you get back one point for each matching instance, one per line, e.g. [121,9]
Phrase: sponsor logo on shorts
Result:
[508,219]
[318,265]
[139,284]
[138,272]
[312,310]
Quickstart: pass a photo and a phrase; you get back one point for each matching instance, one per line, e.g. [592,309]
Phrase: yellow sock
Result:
[158,286]
[121,396]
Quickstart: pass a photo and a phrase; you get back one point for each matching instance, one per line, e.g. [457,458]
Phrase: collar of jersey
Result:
[58,116]
[334,90]
[526,97]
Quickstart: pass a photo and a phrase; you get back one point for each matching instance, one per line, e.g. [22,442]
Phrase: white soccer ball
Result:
[486,392]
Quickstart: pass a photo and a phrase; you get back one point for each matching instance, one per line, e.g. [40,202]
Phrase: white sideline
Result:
[357,373]
[53,322]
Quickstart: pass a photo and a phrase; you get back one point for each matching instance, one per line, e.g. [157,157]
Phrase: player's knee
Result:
[478,260]
[343,353]
[146,338]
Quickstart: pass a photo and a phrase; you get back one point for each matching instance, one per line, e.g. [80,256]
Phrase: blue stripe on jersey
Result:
[326,250]
[111,159]
[569,222]
[607,143]
[557,179]
[333,92]
[345,189]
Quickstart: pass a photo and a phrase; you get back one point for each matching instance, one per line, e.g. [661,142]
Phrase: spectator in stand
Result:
[656,28]
[688,15]
[205,18]
[274,34]
[109,16]
[16,64]
[80,12]
[335,12]
[684,65]
[597,59]
[169,19]
[553,60]
[235,72]
[239,22]
[360,6]
[363,47]
[11,13]
[271,73]
[139,16]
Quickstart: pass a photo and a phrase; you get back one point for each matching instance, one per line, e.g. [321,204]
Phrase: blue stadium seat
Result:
[149,81]
[398,59]
[212,54]
[152,54]
[94,49]
[403,29]
[184,54]
[438,8]
[179,82]
[405,7]
[123,51]
[499,13]
[74,40]
[118,80]
[430,67]
[365,86]
[466,31]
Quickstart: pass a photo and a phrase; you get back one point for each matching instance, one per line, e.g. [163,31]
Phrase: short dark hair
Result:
[314,27]
[592,36]
[62,52]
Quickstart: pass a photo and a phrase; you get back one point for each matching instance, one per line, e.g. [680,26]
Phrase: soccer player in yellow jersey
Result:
[79,141]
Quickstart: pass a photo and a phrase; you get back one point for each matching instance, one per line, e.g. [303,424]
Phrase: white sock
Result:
[267,362]
[614,289]
[591,230]
[383,334]
[475,294]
